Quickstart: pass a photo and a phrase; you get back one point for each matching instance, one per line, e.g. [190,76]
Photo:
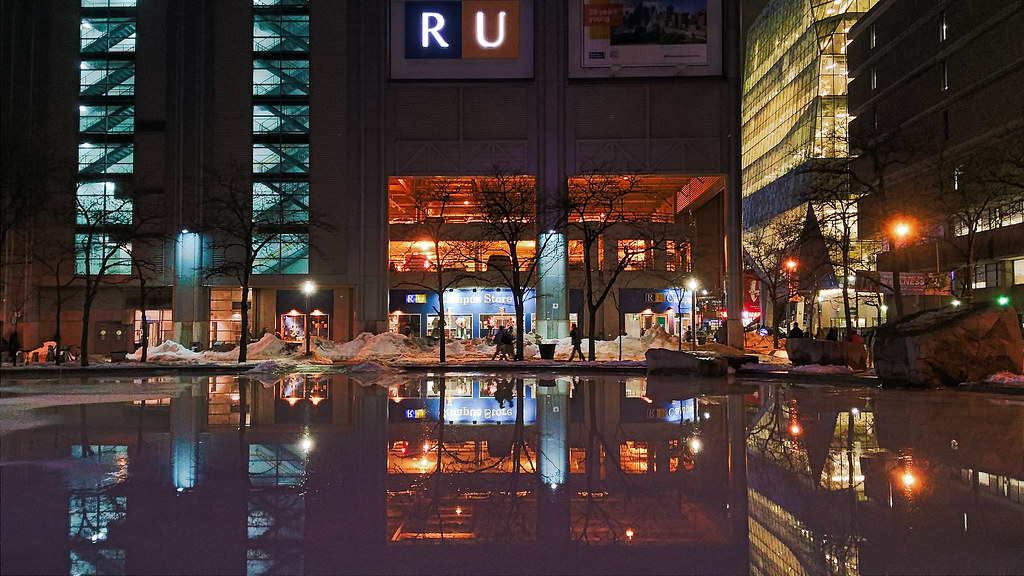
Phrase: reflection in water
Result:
[319,473]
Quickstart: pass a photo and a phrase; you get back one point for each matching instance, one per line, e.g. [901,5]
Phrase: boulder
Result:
[949,346]
[662,361]
[804,351]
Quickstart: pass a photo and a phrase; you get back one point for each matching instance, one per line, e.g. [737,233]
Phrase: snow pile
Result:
[819,369]
[166,351]
[1005,378]
[267,347]
[366,345]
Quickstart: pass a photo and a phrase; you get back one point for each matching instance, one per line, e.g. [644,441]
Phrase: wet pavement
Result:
[490,471]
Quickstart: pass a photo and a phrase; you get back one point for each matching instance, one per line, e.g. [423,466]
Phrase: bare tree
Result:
[241,233]
[110,224]
[602,206]
[978,192]
[145,269]
[509,206]
[766,249]
[58,262]
[432,204]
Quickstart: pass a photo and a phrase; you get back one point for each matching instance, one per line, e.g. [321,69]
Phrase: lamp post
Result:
[308,288]
[790,268]
[900,231]
[692,285]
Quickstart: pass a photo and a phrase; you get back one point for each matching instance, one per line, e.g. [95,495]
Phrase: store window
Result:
[161,326]
[226,315]
[456,326]
[402,323]
[1018,271]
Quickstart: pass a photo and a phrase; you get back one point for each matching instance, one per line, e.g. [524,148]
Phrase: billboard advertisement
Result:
[452,39]
[646,38]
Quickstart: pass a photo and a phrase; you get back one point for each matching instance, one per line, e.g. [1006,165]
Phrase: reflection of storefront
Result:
[469,313]
[468,400]
[302,399]
[642,309]
[294,318]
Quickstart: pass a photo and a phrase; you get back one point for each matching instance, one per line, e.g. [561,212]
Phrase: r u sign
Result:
[472,29]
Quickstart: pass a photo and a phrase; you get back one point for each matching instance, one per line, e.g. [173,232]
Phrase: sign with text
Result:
[461,39]
[647,37]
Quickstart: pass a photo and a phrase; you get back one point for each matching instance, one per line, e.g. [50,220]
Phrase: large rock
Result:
[662,361]
[804,351]
[949,346]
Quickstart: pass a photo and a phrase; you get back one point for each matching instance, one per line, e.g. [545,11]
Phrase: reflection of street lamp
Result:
[308,288]
[692,285]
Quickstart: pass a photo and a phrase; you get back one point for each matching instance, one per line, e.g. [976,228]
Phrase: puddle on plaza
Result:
[498,473]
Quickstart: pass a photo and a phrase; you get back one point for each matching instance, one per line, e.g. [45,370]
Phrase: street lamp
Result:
[308,288]
[901,230]
[790,268]
[692,285]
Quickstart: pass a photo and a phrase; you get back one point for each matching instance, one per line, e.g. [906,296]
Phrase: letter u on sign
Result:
[473,29]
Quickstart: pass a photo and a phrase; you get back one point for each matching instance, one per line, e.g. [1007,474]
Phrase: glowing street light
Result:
[692,285]
[308,288]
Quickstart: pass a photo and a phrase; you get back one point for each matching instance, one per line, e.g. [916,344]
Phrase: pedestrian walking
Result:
[499,339]
[574,336]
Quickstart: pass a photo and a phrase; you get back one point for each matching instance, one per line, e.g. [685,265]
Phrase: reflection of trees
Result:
[479,497]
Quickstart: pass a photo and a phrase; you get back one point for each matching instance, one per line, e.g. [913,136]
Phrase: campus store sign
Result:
[463,302]
[461,410]
[461,39]
[633,301]
[645,38]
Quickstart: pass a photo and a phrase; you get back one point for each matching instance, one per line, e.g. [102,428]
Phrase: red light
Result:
[795,429]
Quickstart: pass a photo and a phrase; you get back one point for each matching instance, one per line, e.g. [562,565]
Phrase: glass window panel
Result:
[105,158]
[275,77]
[280,119]
[106,78]
[106,119]
[98,253]
[107,34]
[98,204]
[280,202]
[109,3]
[287,32]
[282,254]
[280,158]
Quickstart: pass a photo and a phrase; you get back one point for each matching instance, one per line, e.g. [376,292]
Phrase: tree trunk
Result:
[591,323]
[243,339]
[441,327]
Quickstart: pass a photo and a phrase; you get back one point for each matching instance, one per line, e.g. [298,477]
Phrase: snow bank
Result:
[166,351]
[1005,378]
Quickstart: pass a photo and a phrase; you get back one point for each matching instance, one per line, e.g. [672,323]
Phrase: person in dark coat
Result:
[499,339]
[796,332]
[833,334]
[574,335]
[13,346]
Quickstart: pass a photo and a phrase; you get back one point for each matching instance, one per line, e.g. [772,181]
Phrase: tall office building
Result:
[795,127]
[322,122]
[936,96]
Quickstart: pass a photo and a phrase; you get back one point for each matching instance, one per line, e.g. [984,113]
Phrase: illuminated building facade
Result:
[796,122]
[325,119]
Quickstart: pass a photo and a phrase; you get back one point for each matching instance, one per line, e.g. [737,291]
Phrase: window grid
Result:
[107,41]
[794,103]
[281,121]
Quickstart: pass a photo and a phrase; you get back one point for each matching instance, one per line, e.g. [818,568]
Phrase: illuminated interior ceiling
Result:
[664,194]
